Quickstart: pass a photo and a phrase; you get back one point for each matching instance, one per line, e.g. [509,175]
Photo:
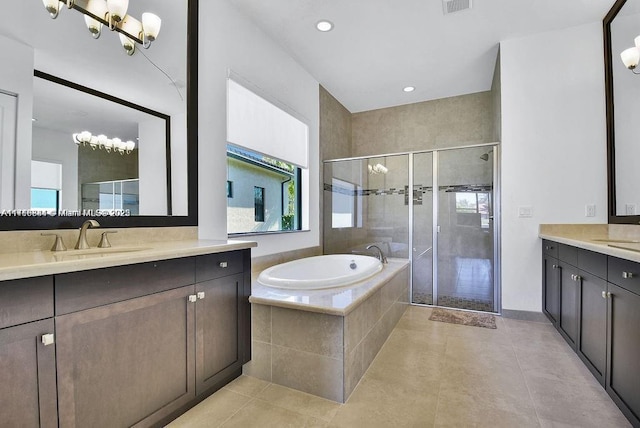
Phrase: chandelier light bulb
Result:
[94,26]
[631,57]
[128,44]
[117,9]
[53,7]
[151,25]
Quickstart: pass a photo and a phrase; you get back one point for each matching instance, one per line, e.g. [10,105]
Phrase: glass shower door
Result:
[465,239]
[422,237]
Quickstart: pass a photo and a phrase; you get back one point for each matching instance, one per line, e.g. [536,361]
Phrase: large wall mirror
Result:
[621,27]
[59,85]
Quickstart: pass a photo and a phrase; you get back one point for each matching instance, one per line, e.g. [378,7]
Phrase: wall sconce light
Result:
[631,57]
[112,13]
[101,142]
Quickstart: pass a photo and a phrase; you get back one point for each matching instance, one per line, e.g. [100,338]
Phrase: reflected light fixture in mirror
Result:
[103,142]
[631,57]
[112,13]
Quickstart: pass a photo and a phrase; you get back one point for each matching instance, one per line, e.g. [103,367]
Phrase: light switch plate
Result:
[630,209]
[525,212]
[590,210]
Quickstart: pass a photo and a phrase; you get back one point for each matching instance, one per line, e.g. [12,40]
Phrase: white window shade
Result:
[256,124]
[46,175]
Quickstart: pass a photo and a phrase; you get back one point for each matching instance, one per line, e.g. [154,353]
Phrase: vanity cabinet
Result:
[551,280]
[135,345]
[607,305]
[27,365]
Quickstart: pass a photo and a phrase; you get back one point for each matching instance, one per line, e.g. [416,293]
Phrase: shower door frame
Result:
[495,218]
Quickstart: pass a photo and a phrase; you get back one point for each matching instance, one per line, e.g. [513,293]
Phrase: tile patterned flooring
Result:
[432,374]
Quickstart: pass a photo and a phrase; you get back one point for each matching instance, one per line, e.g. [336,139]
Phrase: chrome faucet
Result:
[82,238]
[380,256]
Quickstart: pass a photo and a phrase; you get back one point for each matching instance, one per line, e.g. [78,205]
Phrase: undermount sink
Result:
[617,241]
[96,252]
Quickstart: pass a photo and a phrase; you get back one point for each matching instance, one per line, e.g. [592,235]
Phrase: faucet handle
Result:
[104,241]
[59,244]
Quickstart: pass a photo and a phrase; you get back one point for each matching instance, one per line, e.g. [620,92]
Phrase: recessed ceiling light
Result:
[324,26]
[409,88]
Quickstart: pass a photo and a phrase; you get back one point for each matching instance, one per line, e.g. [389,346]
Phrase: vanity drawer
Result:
[77,291]
[25,300]
[550,248]
[594,263]
[211,266]
[624,273]
[568,254]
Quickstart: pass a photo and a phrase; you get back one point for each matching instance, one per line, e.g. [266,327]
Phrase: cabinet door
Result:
[623,367]
[551,288]
[218,314]
[126,363]
[27,376]
[592,346]
[568,322]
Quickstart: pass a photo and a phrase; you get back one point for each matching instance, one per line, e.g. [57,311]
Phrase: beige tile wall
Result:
[321,354]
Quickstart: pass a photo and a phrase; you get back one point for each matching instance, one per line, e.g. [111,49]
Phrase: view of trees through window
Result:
[263,193]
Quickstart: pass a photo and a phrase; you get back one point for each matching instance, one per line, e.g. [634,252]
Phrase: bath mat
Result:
[462,317]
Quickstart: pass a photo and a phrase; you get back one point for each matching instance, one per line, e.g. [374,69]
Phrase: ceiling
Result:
[380,46]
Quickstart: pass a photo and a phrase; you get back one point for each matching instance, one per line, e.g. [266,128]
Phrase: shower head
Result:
[485,157]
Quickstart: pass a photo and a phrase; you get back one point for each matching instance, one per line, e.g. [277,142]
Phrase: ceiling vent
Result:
[451,6]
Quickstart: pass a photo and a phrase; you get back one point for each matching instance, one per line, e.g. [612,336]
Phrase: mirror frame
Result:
[191,219]
[613,218]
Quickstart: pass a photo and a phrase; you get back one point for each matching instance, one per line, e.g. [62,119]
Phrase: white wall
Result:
[57,147]
[553,147]
[17,78]
[229,41]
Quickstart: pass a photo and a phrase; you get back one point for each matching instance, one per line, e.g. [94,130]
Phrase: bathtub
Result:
[314,273]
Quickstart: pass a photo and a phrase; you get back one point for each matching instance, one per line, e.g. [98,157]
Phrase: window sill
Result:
[274,232]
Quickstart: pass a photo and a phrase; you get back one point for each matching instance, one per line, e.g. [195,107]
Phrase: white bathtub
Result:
[314,273]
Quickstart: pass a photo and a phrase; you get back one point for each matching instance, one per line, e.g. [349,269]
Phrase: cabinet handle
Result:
[223,264]
[192,298]
[604,294]
[578,278]
[609,294]
[548,247]
[627,275]
[554,266]
[573,277]
[200,295]
[48,339]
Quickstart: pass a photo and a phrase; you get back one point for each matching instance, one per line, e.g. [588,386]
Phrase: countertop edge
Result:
[602,248]
[153,252]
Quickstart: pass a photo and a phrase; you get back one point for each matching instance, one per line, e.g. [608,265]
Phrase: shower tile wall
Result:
[447,122]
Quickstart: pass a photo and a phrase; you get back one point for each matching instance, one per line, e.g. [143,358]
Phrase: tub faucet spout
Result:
[380,255]
[82,238]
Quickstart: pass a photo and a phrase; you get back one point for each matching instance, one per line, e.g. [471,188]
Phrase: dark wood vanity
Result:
[593,300]
[132,345]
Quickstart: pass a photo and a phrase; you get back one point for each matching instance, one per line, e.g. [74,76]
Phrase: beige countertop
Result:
[622,241]
[38,263]
[333,301]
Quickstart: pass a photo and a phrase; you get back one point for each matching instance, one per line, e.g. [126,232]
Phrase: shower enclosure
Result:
[449,234]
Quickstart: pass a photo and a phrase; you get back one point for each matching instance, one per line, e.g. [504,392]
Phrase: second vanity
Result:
[591,294]
[128,336]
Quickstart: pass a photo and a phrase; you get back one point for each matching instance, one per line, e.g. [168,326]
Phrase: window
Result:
[45,199]
[345,204]
[258,203]
[267,151]
[265,193]
[473,208]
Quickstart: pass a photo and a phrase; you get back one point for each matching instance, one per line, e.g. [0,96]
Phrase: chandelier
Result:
[631,57]
[101,142]
[113,14]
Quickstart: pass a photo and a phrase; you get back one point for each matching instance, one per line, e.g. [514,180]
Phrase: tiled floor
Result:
[428,374]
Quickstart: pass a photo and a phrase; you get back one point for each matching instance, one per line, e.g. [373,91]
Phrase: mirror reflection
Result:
[95,155]
[41,164]
[626,89]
